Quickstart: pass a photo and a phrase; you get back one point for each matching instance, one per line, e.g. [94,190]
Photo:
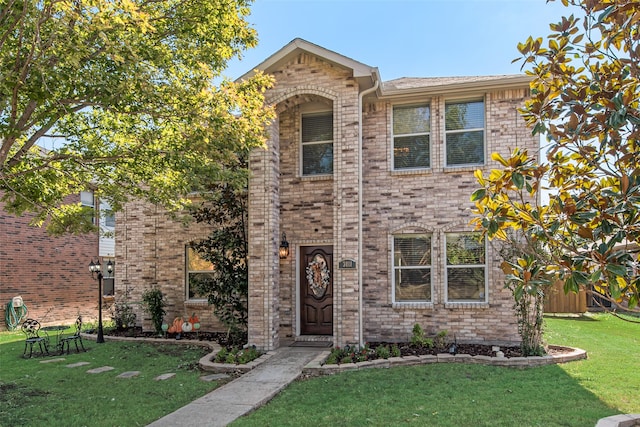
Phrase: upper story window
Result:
[317,144]
[466,267]
[88,200]
[464,133]
[107,215]
[109,218]
[199,271]
[412,268]
[411,128]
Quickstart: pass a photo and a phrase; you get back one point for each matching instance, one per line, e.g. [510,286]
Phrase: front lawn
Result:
[612,370]
[37,394]
[574,394]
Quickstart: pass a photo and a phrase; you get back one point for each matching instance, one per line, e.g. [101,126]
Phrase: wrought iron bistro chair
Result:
[31,328]
[76,337]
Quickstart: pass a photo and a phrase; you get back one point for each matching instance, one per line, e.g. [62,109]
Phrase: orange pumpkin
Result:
[194,319]
[176,327]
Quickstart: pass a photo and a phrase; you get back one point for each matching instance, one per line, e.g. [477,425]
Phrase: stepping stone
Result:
[165,376]
[59,359]
[78,364]
[129,374]
[214,377]
[100,370]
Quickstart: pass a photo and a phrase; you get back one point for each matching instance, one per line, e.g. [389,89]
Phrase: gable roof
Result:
[366,75]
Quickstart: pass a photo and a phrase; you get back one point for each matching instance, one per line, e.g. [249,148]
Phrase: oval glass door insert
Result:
[318,275]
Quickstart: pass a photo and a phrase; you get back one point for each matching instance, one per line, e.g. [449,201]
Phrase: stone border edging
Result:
[205,361]
[215,347]
[622,420]
[315,367]
[207,364]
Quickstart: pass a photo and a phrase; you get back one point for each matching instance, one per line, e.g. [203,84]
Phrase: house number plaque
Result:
[347,263]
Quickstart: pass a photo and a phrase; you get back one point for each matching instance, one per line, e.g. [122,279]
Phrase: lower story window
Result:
[199,271]
[412,268]
[466,267]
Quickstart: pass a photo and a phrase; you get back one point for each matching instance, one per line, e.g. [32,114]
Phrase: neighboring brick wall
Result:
[150,251]
[50,273]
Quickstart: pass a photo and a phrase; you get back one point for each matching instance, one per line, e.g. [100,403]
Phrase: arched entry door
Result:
[316,290]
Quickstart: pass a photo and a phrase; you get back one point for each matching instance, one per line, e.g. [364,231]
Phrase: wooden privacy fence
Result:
[557,301]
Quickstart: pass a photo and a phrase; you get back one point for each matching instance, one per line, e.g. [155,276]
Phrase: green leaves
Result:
[224,208]
[590,114]
[518,180]
[126,87]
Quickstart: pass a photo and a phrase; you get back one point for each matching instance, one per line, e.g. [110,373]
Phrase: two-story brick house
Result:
[370,181]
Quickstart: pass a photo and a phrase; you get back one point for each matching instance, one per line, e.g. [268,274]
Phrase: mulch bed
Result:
[221,338]
[471,349]
[405,348]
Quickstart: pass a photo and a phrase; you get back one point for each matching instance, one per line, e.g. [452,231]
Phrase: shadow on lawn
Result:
[573,317]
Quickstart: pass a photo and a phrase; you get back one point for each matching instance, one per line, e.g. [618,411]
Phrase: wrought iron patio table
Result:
[57,329]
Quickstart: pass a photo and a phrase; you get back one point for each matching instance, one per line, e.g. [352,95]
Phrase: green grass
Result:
[573,394]
[35,394]
[612,370]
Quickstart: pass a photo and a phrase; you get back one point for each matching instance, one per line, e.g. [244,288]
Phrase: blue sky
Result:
[405,38]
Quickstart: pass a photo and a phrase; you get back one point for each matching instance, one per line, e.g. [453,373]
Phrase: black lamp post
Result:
[96,273]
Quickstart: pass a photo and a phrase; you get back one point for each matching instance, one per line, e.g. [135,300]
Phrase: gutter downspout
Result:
[360,202]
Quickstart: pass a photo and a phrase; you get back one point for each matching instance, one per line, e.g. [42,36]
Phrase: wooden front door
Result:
[316,290]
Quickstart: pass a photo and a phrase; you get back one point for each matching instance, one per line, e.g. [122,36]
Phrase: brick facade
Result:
[434,201]
[151,252]
[330,210]
[50,273]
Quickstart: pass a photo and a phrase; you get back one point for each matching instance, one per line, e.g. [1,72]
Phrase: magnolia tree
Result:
[225,209]
[126,89]
[585,95]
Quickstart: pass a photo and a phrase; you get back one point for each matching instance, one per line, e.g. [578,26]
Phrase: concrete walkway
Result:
[250,391]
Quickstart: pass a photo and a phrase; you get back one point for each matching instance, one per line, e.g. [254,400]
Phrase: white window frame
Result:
[107,216]
[86,203]
[93,199]
[308,143]
[394,267]
[485,266]
[401,135]
[450,132]
[187,272]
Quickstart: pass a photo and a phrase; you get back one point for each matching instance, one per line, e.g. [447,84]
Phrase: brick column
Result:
[264,225]
[346,296]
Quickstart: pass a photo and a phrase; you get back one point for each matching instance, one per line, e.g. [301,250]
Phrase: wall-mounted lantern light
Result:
[284,247]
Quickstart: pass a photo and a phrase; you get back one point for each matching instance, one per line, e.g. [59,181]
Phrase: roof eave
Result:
[511,82]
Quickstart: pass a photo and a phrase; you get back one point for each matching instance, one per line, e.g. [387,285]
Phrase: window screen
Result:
[411,145]
[412,268]
[464,128]
[317,144]
[86,198]
[199,272]
[466,267]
